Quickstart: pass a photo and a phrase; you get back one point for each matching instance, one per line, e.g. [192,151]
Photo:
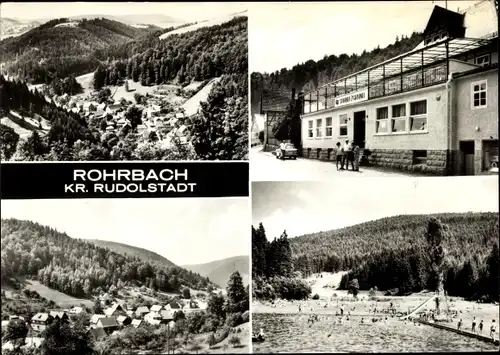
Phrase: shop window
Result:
[319,128]
[310,129]
[398,119]
[382,119]
[418,116]
[329,127]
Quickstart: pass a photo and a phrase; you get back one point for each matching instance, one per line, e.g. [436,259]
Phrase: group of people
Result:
[348,153]
[480,326]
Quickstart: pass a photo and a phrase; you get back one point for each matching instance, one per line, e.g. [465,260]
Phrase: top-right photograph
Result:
[373,89]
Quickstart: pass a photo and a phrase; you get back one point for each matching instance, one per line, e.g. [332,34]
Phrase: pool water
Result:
[292,333]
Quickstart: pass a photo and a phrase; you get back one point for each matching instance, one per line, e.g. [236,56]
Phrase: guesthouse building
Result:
[432,110]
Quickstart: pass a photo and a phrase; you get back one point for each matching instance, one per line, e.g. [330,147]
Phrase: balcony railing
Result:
[417,69]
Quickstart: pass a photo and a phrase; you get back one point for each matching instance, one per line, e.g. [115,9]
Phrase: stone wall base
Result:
[437,162]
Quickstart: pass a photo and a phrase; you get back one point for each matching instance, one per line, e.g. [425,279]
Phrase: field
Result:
[224,345]
[168,90]
[214,22]
[287,330]
[24,127]
[61,299]
[191,106]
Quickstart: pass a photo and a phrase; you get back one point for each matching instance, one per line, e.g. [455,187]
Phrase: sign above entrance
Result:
[351,98]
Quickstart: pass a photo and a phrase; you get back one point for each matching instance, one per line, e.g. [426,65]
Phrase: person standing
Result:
[347,152]
[474,325]
[459,325]
[338,157]
[493,329]
[481,327]
[282,149]
[355,149]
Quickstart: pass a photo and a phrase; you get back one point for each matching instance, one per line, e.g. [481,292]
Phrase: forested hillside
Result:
[202,54]
[55,50]
[80,268]
[131,251]
[311,74]
[392,253]
[66,127]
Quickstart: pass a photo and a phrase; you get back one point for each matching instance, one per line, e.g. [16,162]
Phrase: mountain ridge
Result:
[218,271]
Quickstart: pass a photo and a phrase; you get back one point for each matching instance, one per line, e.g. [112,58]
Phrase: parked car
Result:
[289,152]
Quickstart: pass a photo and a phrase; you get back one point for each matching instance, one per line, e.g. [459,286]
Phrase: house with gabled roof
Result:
[136,323]
[76,310]
[105,299]
[109,324]
[173,306]
[41,321]
[97,333]
[32,343]
[95,318]
[123,320]
[115,310]
[156,308]
[141,311]
[59,315]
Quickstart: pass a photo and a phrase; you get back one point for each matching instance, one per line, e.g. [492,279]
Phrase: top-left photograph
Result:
[123,81]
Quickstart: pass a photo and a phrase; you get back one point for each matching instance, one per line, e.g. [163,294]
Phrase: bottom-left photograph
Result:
[134,276]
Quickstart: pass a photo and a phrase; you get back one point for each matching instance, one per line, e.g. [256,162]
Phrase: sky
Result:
[309,207]
[185,11]
[184,230]
[285,34]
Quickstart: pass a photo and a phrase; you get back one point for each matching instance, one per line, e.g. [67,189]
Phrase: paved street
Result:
[265,167]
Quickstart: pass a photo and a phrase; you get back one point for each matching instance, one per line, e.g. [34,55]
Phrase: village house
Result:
[136,323]
[191,306]
[155,318]
[173,306]
[105,299]
[32,343]
[76,310]
[123,320]
[141,311]
[97,333]
[41,321]
[156,308]
[109,324]
[95,318]
[115,310]
[59,315]
[167,316]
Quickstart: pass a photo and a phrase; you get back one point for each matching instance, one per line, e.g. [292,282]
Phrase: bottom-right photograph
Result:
[377,265]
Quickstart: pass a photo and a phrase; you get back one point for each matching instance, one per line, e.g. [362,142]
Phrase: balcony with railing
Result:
[422,67]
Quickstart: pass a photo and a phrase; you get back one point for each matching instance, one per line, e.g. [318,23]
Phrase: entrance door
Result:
[359,128]
[467,154]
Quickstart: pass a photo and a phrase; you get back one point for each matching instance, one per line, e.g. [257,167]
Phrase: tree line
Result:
[80,268]
[198,55]
[393,254]
[272,268]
